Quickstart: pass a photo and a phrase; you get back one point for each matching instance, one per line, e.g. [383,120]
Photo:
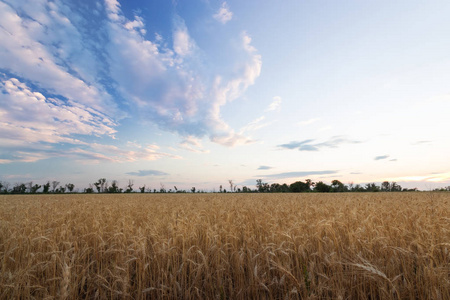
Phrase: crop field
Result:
[225,246]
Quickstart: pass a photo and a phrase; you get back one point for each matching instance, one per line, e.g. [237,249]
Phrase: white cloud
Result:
[30,117]
[193,144]
[169,86]
[182,43]
[231,90]
[43,46]
[52,48]
[309,121]
[255,125]
[275,104]
[224,14]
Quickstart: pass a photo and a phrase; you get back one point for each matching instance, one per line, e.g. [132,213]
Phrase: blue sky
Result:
[194,93]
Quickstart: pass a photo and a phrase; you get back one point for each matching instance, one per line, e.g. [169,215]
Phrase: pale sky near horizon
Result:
[194,93]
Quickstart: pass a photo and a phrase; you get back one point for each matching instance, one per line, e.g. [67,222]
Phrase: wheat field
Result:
[225,246]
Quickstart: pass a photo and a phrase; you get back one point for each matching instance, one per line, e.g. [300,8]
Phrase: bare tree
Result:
[129,186]
[231,184]
[54,185]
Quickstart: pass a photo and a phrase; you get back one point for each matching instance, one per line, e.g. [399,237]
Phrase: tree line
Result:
[104,186]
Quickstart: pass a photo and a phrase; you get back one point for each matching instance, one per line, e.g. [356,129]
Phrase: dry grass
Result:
[228,246]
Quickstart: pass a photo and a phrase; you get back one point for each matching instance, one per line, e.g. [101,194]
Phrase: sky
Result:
[196,93]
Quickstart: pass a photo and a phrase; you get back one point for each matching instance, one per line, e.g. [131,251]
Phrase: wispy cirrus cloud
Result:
[276,103]
[309,145]
[193,144]
[224,14]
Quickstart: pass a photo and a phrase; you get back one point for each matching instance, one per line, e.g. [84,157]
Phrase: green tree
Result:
[337,186]
[396,187]
[372,187]
[322,187]
[114,188]
[89,190]
[386,186]
[299,187]
[35,188]
[46,187]
[263,187]
[19,188]
[70,187]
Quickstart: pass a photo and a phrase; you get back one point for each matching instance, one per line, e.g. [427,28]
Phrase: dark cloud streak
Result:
[142,173]
[308,145]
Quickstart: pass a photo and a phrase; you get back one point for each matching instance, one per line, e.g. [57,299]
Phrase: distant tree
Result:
[322,187]
[259,185]
[337,186]
[46,187]
[395,187]
[299,187]
[19,188]
[61,190]
[372,187]
[29,186]
[54,185]
[358,188]
[114,188]
[350,186]
[231,184]
[142,189]
[220,188]
[162,189]
[386,186]
[101,185]
[275,188]
[129,186]
[35,188]
[70,187]
[193,189]
[89,190]
[310,183]
[263,187]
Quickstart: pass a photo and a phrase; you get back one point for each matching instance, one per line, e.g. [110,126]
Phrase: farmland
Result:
[225,246]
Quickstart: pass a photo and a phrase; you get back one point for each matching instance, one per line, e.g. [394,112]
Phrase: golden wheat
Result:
[225,246]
